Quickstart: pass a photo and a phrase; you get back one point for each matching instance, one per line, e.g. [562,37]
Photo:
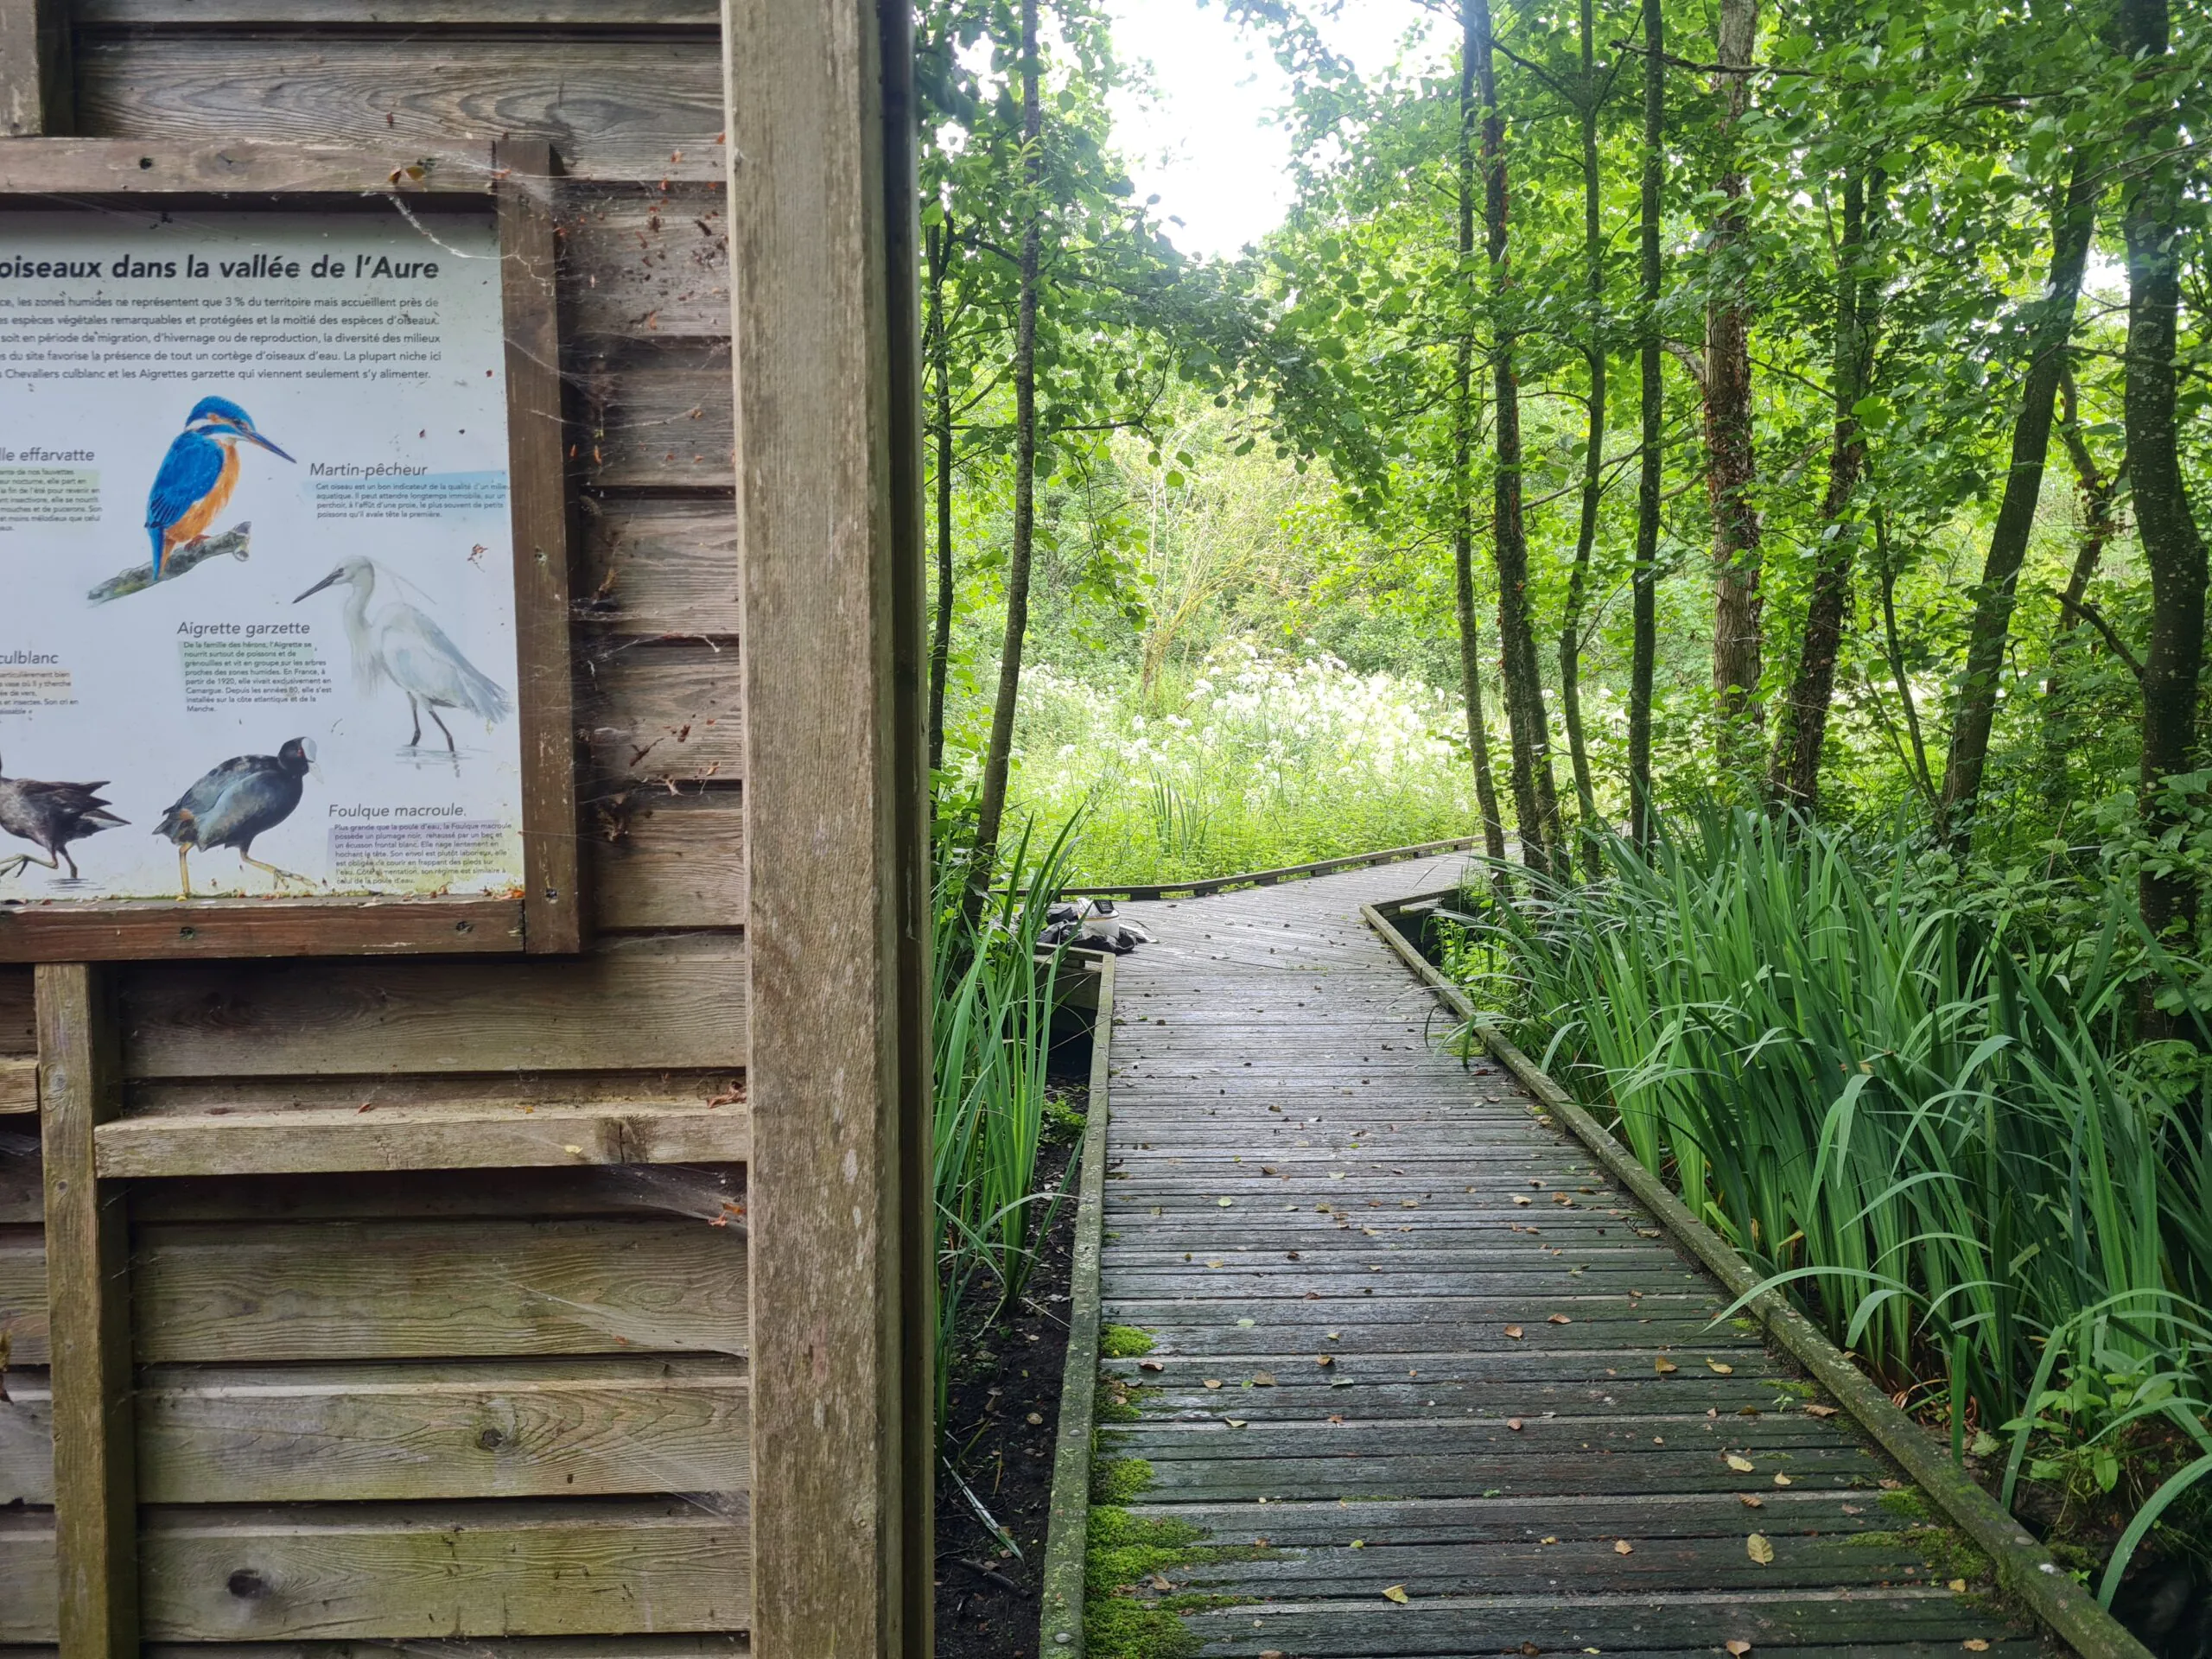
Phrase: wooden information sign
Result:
[284,663]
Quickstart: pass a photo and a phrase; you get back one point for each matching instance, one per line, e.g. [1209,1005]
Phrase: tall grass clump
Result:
[1948,1147]
[1253,761]
[993,1035]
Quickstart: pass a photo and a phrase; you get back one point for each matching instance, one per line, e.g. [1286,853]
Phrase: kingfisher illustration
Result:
[198,475]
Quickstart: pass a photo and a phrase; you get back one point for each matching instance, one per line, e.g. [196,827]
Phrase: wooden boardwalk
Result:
[1407,1338]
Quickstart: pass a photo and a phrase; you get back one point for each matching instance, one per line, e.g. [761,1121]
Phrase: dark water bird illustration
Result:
[50,817]
[198,475]
[247,796]
[401,643]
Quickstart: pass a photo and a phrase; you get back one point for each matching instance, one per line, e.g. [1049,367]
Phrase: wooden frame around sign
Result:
[547,917]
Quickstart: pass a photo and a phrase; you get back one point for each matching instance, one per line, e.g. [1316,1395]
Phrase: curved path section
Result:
[1409,1343]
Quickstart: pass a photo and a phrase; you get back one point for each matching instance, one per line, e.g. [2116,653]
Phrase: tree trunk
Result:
[2099,492]
[1586,533]
[1535,803]
[1644,649]
[1463,456]
[1794,780]
[1731,460]
[2171,547]
[1973,711]
[999,756]
[940,357]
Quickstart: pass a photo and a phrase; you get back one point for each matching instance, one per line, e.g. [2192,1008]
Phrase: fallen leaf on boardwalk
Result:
[1034,1419]
[1397,1593]
[1359,1543]
[1560,1319]
[1235,1422]
[1758,1550]
[1263,1379]
[1325,1359]
[1224,1203]
[1548,1540]
[1290,1255]
[1271,1653]
[1151,1365]
[1974,1644]
[1514,1332]
[1517,1199]
[1664,1366]
[1739,1647]
[1213,1381]
[1622,1546]
[1740,1464]
[1331,1335]
[1161,1581]
[1957,1586]
[1782,1480]
[1213,1264]
[1751,1500]
[1513,1423]
[1821,1411]
[1720,1369]
[1246,1325]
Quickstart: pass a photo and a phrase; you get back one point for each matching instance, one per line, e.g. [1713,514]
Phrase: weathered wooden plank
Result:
[460,1570]
[22,1295]
[27,1583]
[1356,1478]
[26,1440]
[661,859]
[613,109]
[664,713]
[659,566]
[661,417]
[645,263]
[360,1433]
[37,82]
[23,1184]
[226,929]
[18,1020]
[88,1302]
[18,1084]
[824,263]
[552,902]
[730,1644]
[426,1290]
[425,1134]
[642,1003]
[533,17]
[203,163]
[702,1194]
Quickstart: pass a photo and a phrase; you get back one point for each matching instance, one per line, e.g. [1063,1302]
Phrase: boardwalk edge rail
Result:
[1067,1538]
[2023,1566]
[1207,887]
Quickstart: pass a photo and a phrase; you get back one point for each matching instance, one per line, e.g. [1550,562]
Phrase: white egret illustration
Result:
[400,642]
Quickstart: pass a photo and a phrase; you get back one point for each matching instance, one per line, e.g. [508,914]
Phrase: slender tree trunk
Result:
[1731,460]
[1586,533]
[2099,492]
[1793,779]
[1973,711]
[1536,802]
[999,756]
[1644,649]
[2171,546]
[940,356]
[1463,457]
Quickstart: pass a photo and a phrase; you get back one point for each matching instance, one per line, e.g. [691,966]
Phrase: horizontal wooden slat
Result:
[659,712]
[657,566]
[224,929]
[659,860]
[428,1135]
[22,1295]
[610,109]
[552,1429]
[27,1440]
[703,1193]
[26,1588]
[487,1570]
[18,1084]
[645,262]
[637,1004]
[429,1290]
[719,1645]
[23,1192]
[470,15]
[658,420]
[212,158]
[18,1032]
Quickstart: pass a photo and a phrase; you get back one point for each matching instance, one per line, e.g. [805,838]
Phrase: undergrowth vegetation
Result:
[1922,1103]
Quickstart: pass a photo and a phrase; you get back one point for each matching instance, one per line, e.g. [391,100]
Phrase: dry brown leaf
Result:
[1957,1586]
[1517,1198]
[1560,1319]
[1325,1359]
[1513,1423]
[1782,1480]
[1397,1593]
[1974,1644]
[1821,1411]
[1263,1379]
[1514,1332]
[1235,1422]
[1719,1369]
[1741,1465]
[1151,1365]
[1161,1581]
[1758,1550]
[1751,1500]
[1622,1546]
[1212,1381]
[1664,1366]
[1739,1647]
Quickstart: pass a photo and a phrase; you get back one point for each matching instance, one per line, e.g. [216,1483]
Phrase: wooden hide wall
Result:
[436,1323]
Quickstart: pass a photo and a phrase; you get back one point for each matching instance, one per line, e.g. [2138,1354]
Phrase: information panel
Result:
[258,632]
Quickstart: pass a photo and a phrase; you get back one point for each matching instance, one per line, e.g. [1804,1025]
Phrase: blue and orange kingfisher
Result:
[198,475]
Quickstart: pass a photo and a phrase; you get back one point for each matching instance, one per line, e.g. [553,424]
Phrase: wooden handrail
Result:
[1213,884]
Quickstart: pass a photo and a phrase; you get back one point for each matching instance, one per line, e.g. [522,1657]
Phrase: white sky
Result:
[1208,145]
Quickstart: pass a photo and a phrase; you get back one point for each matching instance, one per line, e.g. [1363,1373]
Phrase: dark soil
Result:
[1004,1409]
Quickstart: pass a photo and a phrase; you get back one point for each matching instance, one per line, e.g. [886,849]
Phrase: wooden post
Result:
[822,239]
[37,90]
[88,1303]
